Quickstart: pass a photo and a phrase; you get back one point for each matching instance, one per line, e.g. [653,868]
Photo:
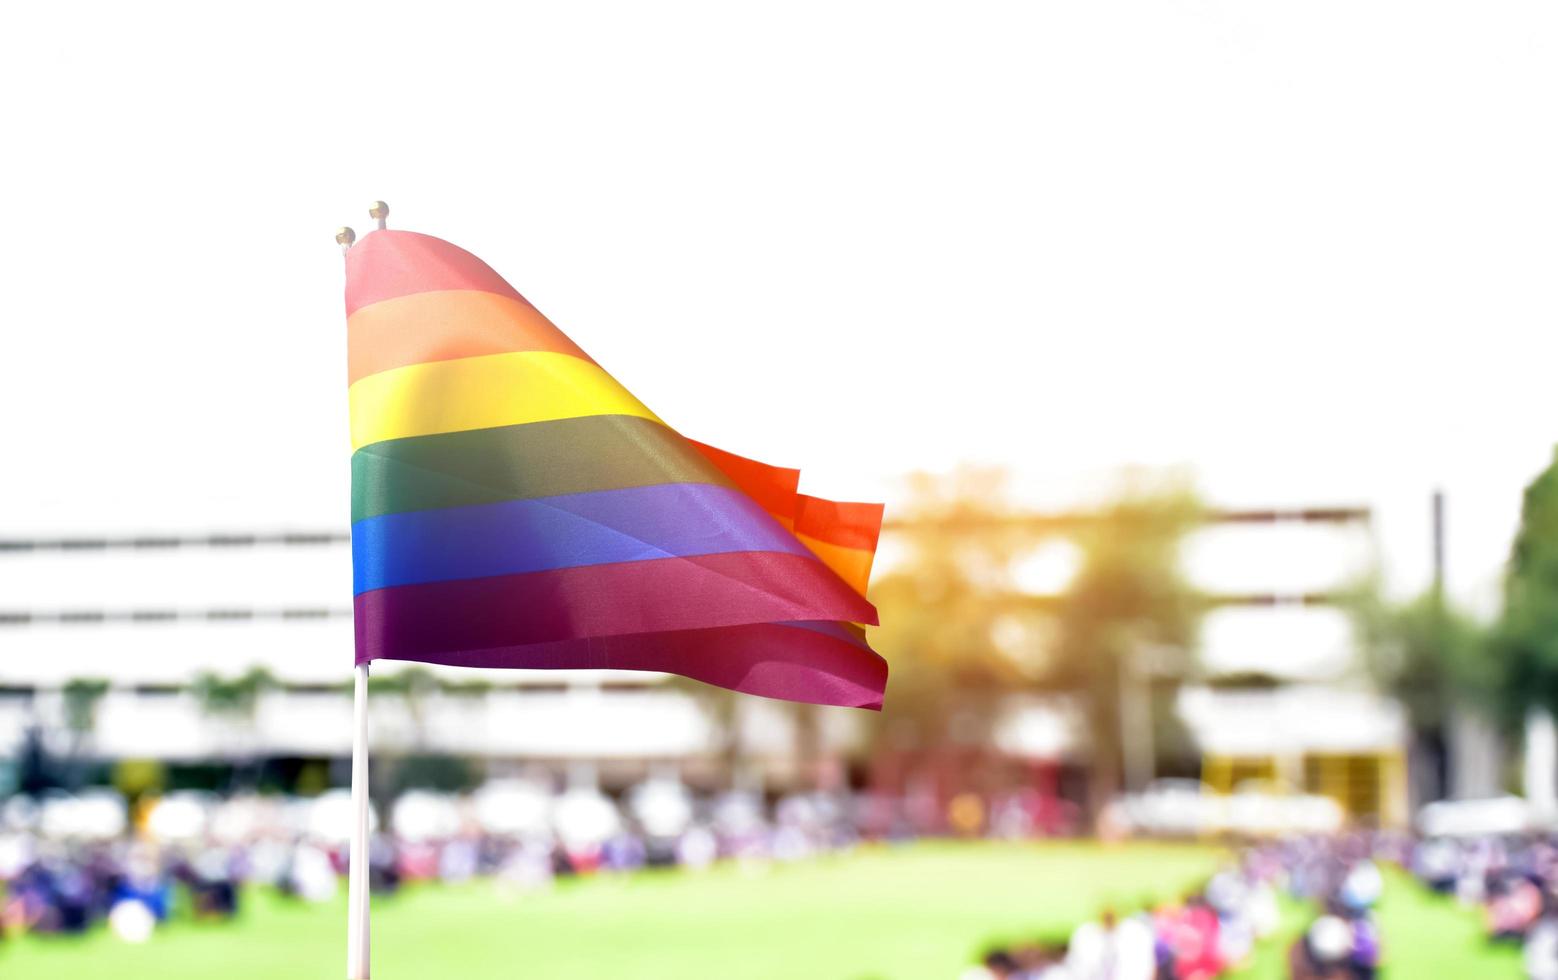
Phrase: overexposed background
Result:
[1307,251]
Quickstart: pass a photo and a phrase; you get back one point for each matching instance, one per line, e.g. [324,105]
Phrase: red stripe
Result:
[796,663]
[848,525]
[387,264]
[432,618]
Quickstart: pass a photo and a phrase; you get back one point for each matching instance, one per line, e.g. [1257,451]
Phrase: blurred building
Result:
[1288,698]
[1284,699]
[149,615]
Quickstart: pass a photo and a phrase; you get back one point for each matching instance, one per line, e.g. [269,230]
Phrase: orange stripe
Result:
[853,565]
[446,325]
[773,487]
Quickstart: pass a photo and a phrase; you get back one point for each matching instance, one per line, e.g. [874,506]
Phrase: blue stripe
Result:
[516,536]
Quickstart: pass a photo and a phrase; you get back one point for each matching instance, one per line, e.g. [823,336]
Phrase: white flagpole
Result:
[357,944]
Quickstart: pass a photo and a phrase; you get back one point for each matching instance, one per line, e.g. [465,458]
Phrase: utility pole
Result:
[1439,549]
[1438,746]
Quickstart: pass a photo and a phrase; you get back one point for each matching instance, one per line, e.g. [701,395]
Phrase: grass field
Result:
[903,914]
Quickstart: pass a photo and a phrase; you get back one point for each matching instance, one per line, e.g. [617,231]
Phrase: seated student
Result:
[1541,950]
[1112,950]
[1514,905]
[1324,952]
[1365,955]
[998,965]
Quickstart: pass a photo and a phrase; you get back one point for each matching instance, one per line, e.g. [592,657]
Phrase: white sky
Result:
[1307,249]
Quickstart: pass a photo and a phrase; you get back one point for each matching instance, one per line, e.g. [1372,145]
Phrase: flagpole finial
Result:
[378,211]
[344,237]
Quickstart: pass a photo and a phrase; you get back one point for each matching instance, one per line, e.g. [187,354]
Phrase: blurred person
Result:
[1198,953]
[1229,896]
[1363,959]
[210,880]
[697,848]
[310,875]
[791,843]
[1323,952]
[1514,904]
[1434,863]
[1471,879]
[1012,815]
[1109,949]
[1265,914]
[383,865]
[417,861]
[966,814]
[131,921]
[997,965]
[458,860]
[141,876]
[623,852]
[1048,963]
[528,867]
[1540,952]
[1362,886]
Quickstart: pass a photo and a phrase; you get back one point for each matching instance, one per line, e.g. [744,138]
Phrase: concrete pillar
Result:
[1475,757]
[1541,763]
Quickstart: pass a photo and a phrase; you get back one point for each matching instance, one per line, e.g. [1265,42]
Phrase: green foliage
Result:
[82,695]
[1525,643]
[1428,655]
[478,688]
[413,682]
[443,773]
[232,697]
[136,778]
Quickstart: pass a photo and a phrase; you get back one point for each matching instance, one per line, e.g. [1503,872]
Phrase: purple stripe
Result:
[513,537]
[414,622]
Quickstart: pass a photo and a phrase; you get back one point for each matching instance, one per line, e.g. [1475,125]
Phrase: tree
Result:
[942,609]
[1129,597]
[81,695]
[1432,658]
[233,703]
[961,636]
[414,686]
[1524,644]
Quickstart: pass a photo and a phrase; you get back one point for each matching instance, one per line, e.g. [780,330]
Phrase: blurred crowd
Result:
[1218,927]
[1512,878]
[68,863]
[1196,937]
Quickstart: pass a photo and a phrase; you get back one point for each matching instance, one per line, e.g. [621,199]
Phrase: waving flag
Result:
[514,506]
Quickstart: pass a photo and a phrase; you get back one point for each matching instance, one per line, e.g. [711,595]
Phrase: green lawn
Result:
[903,913]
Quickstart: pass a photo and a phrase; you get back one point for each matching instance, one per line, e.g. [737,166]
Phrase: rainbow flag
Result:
[514,506]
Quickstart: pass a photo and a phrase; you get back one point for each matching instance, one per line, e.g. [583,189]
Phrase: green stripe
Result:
[518,462]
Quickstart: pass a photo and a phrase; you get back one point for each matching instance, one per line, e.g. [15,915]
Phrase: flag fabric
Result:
[514,506]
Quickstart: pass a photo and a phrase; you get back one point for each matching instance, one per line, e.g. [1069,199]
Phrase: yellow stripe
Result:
[483,392]
[853,565]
